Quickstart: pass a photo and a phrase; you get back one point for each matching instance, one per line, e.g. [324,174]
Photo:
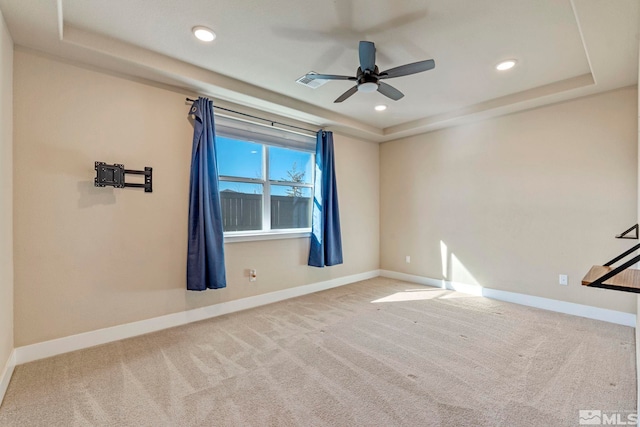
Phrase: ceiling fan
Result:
[368,77]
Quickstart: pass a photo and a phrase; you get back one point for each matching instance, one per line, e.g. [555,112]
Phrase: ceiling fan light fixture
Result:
[368,77]
[203,33]
[380,107]
[506,65]
[367,87]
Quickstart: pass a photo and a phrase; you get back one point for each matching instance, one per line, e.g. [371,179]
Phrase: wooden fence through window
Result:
[242,211]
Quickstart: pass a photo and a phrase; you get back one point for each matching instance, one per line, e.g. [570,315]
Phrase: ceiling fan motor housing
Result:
[367,80]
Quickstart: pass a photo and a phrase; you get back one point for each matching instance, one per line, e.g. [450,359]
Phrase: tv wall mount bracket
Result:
[113,176]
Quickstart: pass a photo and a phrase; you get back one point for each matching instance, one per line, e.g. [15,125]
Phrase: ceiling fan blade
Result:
[347,94]
[389,91]
[405,70]
[367,52]
[329,77]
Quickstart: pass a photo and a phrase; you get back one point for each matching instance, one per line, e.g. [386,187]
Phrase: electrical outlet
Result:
[407,259]
[563,279]
[253,276]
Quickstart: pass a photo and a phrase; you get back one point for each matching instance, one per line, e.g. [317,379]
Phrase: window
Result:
[266,178]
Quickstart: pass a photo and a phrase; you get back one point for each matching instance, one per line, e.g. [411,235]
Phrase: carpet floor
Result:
[375,353]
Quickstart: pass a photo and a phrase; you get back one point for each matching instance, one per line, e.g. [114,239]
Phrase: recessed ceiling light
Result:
[380,107]
[203,33]
[506,65]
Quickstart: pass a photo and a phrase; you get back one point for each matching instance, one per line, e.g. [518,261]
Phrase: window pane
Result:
[239,158]
[290,165]
[290,207]
[241,206]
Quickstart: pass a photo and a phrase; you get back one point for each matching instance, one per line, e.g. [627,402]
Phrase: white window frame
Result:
[269,137]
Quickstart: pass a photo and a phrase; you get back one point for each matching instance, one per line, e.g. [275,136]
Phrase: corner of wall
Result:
[7,354]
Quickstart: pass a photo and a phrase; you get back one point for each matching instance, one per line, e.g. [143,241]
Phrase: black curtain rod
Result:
[256,117]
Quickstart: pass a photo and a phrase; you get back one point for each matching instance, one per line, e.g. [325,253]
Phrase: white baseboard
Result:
[612,316]
[46,349]
[7,372]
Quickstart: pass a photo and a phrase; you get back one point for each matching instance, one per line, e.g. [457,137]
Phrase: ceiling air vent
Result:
[313,84]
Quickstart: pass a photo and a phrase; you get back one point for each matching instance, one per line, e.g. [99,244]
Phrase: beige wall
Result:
[513,202]
[6,194]
[89,258]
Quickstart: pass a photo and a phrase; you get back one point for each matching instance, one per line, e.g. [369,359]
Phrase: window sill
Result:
[250,236]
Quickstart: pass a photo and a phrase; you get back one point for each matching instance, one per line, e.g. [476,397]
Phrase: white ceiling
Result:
[564,49]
